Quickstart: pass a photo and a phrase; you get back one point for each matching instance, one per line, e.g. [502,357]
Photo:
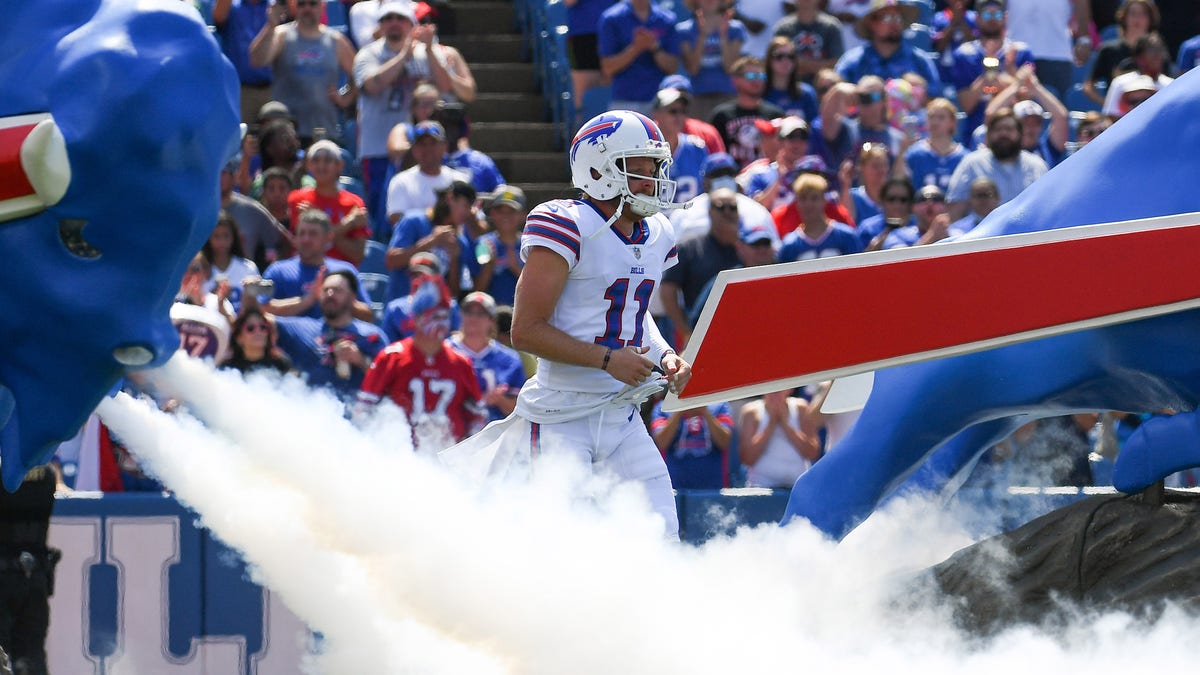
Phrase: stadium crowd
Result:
[359,226]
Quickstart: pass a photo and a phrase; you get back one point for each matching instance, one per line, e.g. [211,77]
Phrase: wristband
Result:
[607,356]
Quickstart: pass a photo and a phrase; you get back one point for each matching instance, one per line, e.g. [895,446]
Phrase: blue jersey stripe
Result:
[553,235]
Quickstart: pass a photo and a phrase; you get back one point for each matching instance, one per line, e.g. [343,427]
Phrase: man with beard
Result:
[1001,159]
[978,64]
[884,53]
[336,350]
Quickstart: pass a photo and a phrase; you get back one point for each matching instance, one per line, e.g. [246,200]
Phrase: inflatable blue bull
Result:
[115,118]
[935,418]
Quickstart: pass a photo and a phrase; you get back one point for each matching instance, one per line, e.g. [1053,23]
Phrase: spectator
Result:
[884,54]
[873,168]
[345,209]
[695,444]
[224,254]
[853,116]
[932,160]
[435,385]
[1135,18]
[261,235]
[459,85]
[583,19]
[1056,31]
[952,27]
[202,318]
[788,218]
[1128,90]
[755,247]
[933,225]
[498,252]
[397,322]
[709,44]
[255,345]
[701,257]
[498,367]
[305,59]
[982,199]
[336,349]
[27,571]
[1189,55]
[979,64]
[777,441]
[1089,127]
[692,126]
[784,86]
[1001,159]
[771,184]
[416,188]
[237,25]
[719,170]
[817,236]
[441,230]
[276,186]
[280,147]
[815,38]
[734,119]
[897,198]
[638,47]
[297,279]
[363,18]
[482,169]
[688,152]
[385,98]
[1034,103]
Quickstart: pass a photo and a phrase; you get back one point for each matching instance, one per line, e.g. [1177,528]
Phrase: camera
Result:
[991,66]
[259,288]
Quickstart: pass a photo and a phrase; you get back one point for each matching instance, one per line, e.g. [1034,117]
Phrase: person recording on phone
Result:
[980,65]
[897,195]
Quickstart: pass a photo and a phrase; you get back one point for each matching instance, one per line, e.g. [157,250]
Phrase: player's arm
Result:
[538,291]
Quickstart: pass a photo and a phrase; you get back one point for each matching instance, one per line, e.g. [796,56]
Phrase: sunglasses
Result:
[724,208]
[867,98]
[930,198]
[783,56]
[754,77]
[307,3]
[675,111]
[390,17]
[890,17]
[983,195]
[896,199]
[991,15]
[254,328]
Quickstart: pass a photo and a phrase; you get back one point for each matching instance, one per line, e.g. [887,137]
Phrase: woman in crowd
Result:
[223,251]
[254,344]
[1135,18]
[784,87]
[873,167]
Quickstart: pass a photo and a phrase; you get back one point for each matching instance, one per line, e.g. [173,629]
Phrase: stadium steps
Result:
[508,117]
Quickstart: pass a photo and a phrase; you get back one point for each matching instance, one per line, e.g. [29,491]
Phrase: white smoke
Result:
[403,569]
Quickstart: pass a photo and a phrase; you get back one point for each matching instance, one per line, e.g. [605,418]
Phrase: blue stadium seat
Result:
[335,17]
[374,262]
[919,36]
[352,184]
[1076,100]
[926,8]
[596,100]
[376,287]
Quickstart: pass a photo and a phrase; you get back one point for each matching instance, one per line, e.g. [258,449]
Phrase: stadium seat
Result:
[374,262]
[352,184]
[376,287]
[596,100]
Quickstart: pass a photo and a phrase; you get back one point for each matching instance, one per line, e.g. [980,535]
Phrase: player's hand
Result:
[628,365]
[678,372]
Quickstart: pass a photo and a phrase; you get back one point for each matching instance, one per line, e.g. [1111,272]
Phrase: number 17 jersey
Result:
[610,282]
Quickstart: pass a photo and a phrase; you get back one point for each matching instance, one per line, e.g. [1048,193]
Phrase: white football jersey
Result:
[611,281]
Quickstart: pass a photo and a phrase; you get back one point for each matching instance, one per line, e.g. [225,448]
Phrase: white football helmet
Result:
[598,156]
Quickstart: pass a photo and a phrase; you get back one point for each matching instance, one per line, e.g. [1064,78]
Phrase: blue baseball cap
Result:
[428,128]
[718,161]
[677,81]
[753,235]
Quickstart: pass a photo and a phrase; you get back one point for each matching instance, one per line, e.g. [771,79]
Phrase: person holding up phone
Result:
[984,66]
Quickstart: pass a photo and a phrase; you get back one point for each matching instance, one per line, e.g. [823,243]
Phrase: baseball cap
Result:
[424,262]
[273,110]
[792,125]
[483,300]
[324,146]
[509,195]
[718,161]
[812,164]
[428,128]
[753,235]
[930,193]
[669,96]
[681,82]
[1023,109]
[768,127]
[404,9]
[1140,83]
